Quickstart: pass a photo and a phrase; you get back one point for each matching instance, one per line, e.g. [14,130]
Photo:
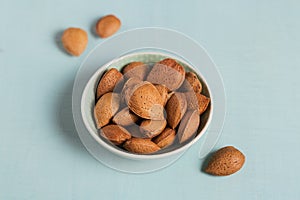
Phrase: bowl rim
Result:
[145,156]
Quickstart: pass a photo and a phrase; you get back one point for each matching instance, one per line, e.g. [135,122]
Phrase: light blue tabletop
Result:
[256,46]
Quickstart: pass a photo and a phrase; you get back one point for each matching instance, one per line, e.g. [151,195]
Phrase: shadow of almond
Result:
[93,28]
[58,42]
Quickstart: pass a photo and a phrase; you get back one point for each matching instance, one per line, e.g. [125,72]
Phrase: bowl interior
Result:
[88,102]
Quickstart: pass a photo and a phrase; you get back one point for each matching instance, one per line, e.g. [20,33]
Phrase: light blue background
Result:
[256,45]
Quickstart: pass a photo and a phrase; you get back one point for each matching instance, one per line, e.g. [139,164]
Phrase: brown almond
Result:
[151,128]
[135,69]
[197,101]
[192,83]
[116,134]
[192,100]
[203,102]
[140,146]
[108,82]
[225,161]
[107,26]
[125,117]
[188,125]
[146,102]
[74,41]
[166,138]
[163,91]
[175,108]
[105,108]
[167,72]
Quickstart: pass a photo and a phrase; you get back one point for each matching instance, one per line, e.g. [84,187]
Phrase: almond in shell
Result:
[125,117]
[107,26]
[225,161]
[135,69]
[140,146]
[105,108]
[188,125]
[108,82]
[192,83]
[166,138]
[146,102]
[74,41]
[175,108]
[197,101]
[203,103]
[116,134]
[167,72]
[151,128]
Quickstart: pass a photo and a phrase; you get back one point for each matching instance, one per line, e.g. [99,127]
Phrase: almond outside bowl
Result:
[88,103]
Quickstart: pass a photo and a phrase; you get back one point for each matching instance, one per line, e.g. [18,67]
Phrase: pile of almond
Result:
[148,107]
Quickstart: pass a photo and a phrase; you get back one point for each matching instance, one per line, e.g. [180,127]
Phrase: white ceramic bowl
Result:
[88,103]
